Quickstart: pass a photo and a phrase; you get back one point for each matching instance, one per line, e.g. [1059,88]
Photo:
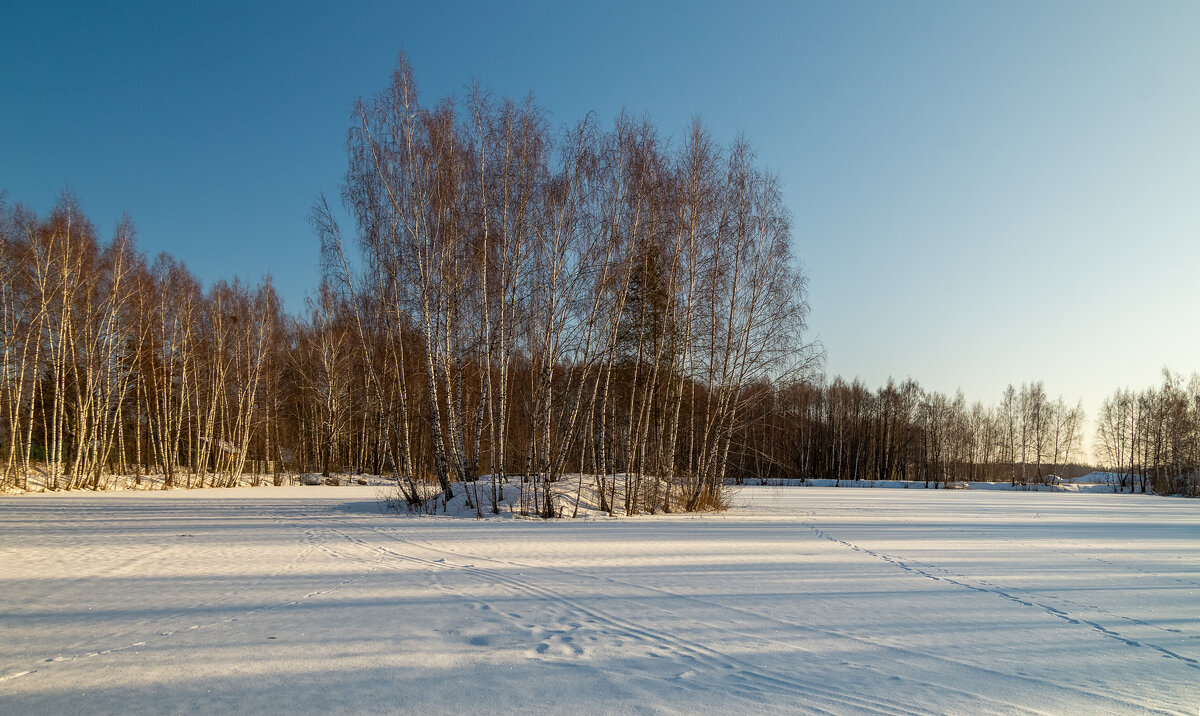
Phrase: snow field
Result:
[798,600]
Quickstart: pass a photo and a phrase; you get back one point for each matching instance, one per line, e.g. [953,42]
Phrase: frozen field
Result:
[800,600]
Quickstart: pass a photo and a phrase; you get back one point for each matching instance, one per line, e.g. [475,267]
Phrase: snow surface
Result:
[798,600]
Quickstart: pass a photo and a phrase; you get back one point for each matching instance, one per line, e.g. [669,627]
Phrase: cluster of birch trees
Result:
[536,303]
[1151,439]
[112,364]
[846,431]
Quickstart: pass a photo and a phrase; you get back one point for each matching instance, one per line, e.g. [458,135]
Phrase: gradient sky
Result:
[982,193]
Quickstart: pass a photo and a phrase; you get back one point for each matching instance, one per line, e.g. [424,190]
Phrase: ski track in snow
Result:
[742,676]
[716,661]
[983,585]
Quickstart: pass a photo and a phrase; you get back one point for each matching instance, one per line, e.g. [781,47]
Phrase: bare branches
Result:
[1151,440]
[599,280]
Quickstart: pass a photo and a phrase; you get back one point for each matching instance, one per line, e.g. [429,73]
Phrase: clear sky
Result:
[983,193]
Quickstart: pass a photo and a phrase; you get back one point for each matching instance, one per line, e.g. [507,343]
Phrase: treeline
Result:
[1151,439]
[512,303]
[846,431]
[113,364]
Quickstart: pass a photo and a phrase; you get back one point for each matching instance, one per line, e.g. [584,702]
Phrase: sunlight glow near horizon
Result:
[982,194]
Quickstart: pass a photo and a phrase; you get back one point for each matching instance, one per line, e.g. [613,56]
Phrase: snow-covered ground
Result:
[799,600]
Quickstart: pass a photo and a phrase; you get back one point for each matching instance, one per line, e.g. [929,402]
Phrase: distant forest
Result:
[511,301]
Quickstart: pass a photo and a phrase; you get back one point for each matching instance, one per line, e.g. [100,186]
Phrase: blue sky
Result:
[982,193]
